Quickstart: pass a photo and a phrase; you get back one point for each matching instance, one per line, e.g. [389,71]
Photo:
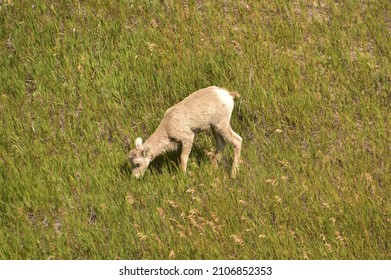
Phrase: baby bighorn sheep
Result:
[208,108]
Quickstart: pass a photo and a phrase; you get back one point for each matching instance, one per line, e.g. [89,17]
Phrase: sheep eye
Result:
[138,165]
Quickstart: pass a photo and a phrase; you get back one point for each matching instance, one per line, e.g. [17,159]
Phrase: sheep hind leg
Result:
[231,136]
[220,144]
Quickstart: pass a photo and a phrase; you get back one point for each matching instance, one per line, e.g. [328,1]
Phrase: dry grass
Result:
[79,80]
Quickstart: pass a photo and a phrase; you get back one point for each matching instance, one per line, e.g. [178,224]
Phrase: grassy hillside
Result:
[80,80]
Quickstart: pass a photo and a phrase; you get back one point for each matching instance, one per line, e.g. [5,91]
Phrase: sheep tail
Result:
[234,94]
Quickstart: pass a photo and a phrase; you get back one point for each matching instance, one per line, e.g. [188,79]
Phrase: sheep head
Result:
[139,159]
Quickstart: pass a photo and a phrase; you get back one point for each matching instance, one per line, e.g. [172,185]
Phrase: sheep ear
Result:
[146,151]
[138,142]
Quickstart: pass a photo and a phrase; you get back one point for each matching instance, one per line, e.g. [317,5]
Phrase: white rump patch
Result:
[225,97]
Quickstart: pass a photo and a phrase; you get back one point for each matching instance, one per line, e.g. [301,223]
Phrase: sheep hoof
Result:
[216,159]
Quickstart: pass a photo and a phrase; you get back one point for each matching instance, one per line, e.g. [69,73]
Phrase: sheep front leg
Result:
[186,148]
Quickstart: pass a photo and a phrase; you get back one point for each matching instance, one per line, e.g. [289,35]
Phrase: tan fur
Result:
[234,94]
[208,108]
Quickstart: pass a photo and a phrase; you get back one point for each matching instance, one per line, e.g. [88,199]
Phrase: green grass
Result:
[80,80]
